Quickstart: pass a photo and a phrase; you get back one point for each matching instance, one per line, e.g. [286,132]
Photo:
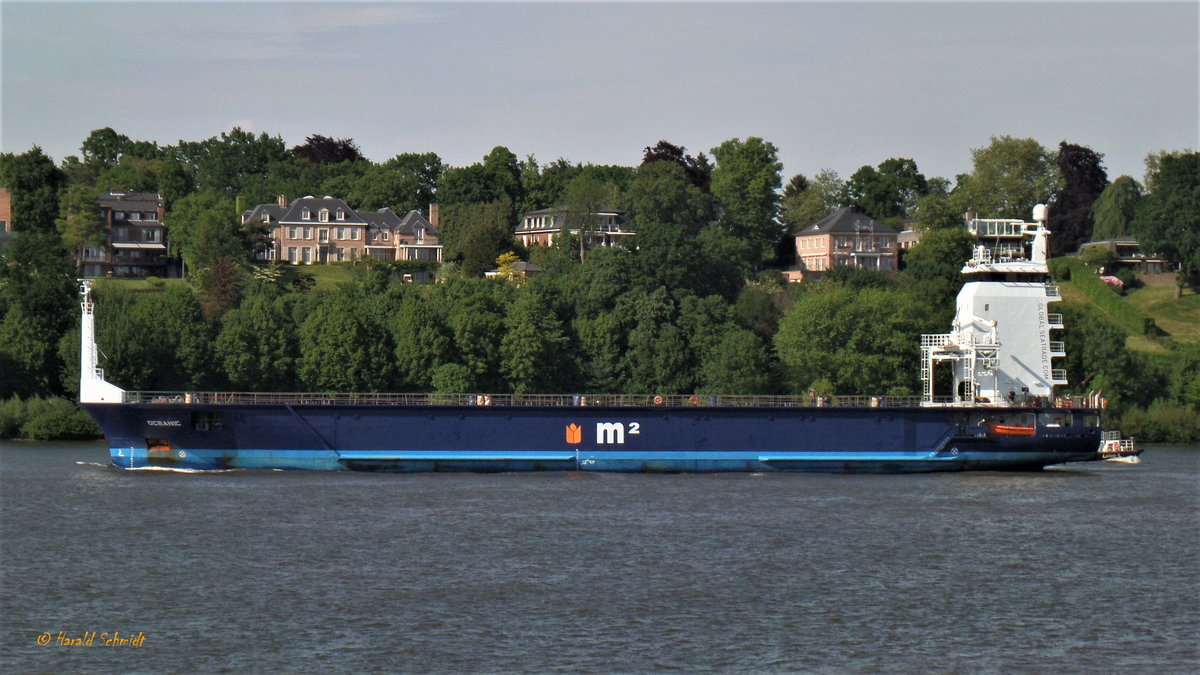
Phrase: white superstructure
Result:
[999,348]
[92,386]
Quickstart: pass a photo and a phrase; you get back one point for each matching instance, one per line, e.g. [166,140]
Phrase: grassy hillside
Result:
[1179,319]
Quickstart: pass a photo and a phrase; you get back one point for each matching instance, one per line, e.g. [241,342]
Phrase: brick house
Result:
[412,237]
[845,237]
[5,218]
[541,227]
[314,230]
[135,242]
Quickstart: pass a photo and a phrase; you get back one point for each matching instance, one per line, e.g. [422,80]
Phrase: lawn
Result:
[1179,319]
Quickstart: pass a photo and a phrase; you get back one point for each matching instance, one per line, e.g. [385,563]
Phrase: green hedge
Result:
[1102,294]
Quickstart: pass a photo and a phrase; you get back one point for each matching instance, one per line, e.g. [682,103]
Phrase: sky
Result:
[831,85]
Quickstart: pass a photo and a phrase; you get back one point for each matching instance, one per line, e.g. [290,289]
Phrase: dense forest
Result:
[695,304]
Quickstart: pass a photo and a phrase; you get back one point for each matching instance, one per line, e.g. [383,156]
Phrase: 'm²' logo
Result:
[607,433]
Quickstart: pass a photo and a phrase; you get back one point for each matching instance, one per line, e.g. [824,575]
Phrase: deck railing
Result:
[537,400]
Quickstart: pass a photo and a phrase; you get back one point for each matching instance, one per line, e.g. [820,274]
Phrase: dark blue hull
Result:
[700,439]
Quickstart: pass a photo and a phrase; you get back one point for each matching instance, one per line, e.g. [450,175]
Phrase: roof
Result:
[314,206]
[846,221]
[381,219]
[131,201]
[275,211]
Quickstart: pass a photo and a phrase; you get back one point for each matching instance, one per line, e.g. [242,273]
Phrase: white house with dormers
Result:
[542,227]
[314,230]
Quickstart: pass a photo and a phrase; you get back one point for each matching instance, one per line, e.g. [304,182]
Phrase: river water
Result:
[1094,567]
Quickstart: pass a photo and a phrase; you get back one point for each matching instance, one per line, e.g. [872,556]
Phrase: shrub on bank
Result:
[1162,422]
[45,419]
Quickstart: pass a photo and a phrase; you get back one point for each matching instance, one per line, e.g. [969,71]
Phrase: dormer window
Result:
[341,215]
[420,235]
[324,215]
[266,217]
[305,214]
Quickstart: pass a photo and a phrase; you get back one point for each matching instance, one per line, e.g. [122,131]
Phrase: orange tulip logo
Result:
[574,433]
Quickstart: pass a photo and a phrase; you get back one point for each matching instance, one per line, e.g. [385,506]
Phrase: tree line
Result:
[693,305]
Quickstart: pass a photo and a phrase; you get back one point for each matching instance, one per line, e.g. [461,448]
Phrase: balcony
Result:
[1055,320]
[1052,292]
[1058,377]
[1057,348]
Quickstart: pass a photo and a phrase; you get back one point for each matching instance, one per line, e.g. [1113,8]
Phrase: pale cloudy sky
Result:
[832,85]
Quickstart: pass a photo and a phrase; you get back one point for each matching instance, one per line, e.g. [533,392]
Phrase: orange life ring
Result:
[658,400]
[693,400]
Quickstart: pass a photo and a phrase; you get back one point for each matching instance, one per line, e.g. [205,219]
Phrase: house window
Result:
[151,236]
[421,235]
[292,254]
[341,215]
[307,254]
[135,215]
[305,214]
[293,232]
[323,236]
[354,234]
[266,217]
[119,215]
[324,215]
[308,233]
[385,235]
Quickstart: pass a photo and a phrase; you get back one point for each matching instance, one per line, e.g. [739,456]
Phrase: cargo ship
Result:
[999,412]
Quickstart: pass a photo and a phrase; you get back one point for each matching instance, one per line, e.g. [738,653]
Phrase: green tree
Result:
[257,347]
[132,173]
[746,184]
[104,147]
[807,201]
[406,181]
[545,186]
[33,183]
[476,321]
[889,193]
[697,169]
[657,357]
[584,198]
[1168,221]
[1114,211]
[859,341]
[534,351]
[423,343]
[476,234]
[205,226]
[600,351]
[342,348]
[933,267]
[496,179]
[80,223]
[155,341]
[739,364]
[226,163]
[1010,177]
[661,193]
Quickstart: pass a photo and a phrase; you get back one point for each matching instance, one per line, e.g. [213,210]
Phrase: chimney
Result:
[281,200]
[434,216]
